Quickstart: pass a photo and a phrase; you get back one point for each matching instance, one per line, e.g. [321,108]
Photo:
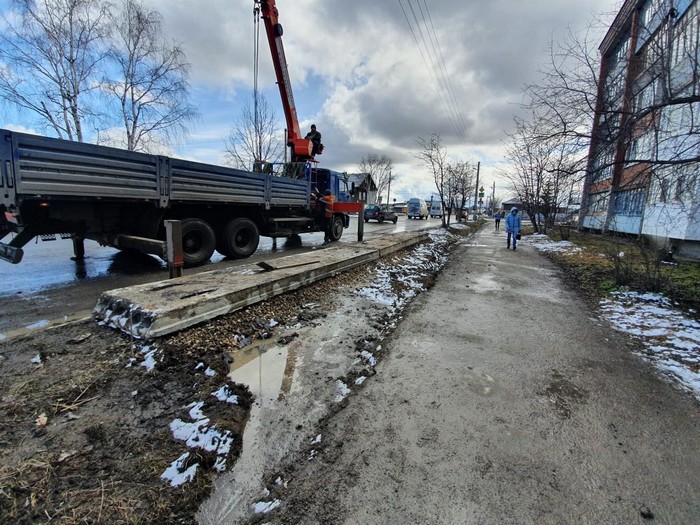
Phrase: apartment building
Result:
[643,173]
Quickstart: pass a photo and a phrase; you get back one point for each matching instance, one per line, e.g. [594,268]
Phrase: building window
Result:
[685,50]
[598,203]
[648,97]
[629,202]
[602,166]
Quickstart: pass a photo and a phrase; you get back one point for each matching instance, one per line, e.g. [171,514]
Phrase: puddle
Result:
[261,366]
[267,368]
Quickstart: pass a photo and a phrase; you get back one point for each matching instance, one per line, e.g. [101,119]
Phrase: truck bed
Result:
[35,167]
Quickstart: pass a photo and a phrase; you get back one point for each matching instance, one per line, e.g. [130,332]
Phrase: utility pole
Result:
[476,188]
[388,192]
[493,198]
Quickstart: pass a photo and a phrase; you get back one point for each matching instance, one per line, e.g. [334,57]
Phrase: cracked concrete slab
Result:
[152,310]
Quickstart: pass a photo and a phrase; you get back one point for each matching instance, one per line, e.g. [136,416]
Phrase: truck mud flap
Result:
[11,253]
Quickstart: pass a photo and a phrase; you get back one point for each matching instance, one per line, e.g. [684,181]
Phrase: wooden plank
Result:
[269,267]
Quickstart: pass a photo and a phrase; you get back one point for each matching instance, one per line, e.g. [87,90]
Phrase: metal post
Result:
[361,224]
[175,255]
[78,248]
[389,190]
[476,188]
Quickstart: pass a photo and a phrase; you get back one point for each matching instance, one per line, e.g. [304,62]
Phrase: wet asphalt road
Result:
[48,287]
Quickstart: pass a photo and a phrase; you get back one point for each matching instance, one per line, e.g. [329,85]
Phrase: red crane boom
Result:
[302,148]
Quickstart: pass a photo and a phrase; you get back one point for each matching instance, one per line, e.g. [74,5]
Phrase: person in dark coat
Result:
[315,138]
[497,217]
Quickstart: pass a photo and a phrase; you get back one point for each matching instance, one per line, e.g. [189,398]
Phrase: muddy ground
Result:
[86,413]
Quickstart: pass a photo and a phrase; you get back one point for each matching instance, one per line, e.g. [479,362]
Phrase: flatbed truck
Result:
[121,198]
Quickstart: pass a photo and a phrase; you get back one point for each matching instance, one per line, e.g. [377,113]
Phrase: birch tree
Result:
[50,52]
[152,84]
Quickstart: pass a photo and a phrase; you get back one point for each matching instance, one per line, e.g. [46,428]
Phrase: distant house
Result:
[510,204]
[365,188]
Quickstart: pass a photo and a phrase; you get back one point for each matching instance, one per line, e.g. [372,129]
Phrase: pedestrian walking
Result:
[497,217]
[513,227]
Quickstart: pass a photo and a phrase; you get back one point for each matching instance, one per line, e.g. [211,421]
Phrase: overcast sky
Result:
[358,73]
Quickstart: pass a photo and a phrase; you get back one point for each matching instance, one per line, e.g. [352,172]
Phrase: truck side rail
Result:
[197,182]
[51,167]
[43,167]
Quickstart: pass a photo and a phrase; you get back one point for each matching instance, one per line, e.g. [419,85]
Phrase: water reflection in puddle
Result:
[261,366]
[267,369]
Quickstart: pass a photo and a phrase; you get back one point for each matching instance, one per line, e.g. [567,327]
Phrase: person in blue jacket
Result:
[513,226]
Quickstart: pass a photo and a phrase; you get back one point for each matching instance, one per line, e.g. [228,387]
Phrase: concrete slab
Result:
[156,309]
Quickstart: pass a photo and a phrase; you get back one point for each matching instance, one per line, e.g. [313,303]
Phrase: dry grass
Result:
[609,263]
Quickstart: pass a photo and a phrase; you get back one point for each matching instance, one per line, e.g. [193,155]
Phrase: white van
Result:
[436,209]
[417,209]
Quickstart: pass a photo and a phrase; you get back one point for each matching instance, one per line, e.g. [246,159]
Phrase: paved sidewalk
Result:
[503,400]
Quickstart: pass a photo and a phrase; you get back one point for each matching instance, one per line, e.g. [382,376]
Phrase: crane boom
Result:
[301,148]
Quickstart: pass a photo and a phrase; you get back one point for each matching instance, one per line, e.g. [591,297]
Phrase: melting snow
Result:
[224,394]
[149,360]
[545,244]
[671,340]
[197,434]
[177,474]
[263,507]
[342,391]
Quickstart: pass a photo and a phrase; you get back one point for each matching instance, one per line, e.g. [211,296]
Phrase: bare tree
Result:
[461,187]
[434,157]
[541,170]
[49,59]
[255,137]
[379,167]
[152,85]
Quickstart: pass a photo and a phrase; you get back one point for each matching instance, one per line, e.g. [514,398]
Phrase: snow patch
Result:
[671,340]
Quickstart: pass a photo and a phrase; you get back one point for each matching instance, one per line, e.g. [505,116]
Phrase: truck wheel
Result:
[239,238]
[380,220]
[337,227]
[198,242]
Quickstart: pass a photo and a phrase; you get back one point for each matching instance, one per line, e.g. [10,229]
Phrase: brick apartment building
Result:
[643,173]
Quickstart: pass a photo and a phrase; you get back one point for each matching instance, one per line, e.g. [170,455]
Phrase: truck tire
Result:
[239,238]
[198,242]
[337,227]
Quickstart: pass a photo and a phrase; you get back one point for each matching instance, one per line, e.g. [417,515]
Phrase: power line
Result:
[423,32]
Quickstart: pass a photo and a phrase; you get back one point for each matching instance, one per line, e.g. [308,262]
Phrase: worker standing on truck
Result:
[327,202]
[315,138]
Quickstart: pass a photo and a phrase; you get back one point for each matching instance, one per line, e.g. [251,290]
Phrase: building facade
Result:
[643,174]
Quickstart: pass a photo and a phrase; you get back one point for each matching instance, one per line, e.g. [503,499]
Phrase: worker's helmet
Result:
[327,192]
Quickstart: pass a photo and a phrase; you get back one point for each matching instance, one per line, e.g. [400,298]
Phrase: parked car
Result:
[380,213]
[417,209]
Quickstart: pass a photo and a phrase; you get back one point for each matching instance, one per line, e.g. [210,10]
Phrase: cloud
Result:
[358,70]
